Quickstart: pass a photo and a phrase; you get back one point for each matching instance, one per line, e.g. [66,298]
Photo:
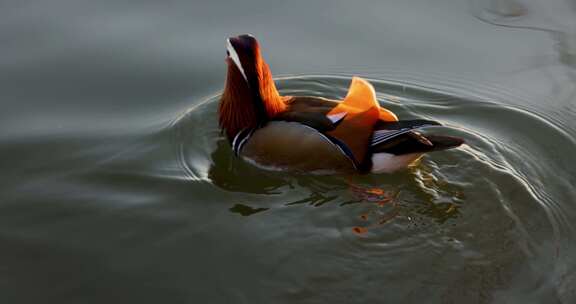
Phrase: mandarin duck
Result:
[313,134]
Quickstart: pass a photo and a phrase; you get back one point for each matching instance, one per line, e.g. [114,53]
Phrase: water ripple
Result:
[501,196]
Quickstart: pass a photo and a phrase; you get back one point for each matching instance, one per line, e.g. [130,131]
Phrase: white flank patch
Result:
[235,58]
[388,163]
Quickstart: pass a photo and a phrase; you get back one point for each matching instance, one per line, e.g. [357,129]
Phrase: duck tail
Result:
[442,142]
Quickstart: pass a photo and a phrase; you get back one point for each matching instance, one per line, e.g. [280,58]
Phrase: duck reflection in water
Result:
[415,194]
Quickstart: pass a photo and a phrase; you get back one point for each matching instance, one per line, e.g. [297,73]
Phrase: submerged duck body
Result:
[313,134]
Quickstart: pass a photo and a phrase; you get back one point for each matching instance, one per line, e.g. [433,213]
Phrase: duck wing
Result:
[386,131]
[402,137]
[316,120]
[357,116]
[349,124]
[353,135]
[360,127]
[361,97]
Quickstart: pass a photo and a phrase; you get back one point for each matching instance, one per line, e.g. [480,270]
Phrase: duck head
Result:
[250,97]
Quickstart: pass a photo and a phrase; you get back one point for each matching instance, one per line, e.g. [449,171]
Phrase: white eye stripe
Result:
[235,58]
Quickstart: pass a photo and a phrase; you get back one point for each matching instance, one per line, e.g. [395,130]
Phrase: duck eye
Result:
[227,53]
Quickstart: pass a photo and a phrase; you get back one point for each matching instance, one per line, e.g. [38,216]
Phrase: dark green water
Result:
[117,187]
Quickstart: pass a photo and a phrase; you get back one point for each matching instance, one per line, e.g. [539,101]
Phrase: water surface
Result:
[117,185]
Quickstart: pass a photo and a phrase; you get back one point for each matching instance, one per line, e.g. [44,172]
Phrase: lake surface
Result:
[118,187]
